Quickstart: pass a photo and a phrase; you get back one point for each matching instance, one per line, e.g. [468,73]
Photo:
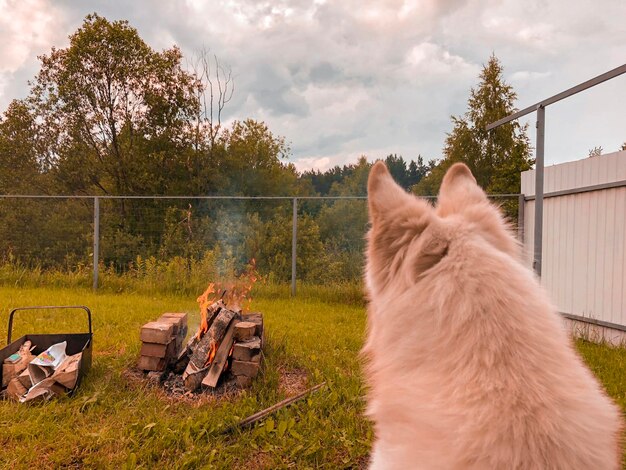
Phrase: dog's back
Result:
[468,363]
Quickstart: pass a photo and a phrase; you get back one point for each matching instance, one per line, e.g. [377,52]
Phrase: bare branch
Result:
[216,89]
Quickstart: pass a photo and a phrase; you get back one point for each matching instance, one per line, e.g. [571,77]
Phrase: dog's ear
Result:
[384,195]
[460,194]
[399,220]
[458,191]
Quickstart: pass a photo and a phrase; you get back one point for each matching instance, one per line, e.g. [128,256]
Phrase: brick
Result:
[159,350]
[244,330]
[157,332]
[247,350]
[247,368]
[151,363]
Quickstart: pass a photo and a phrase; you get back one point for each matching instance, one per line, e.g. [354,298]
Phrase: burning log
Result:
[208,317]
[205,350]
[221,357]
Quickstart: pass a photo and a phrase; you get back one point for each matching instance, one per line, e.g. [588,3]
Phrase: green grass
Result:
[114,423]
[111,423]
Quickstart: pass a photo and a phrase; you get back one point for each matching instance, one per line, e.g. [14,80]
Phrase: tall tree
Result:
[120,110]
[495,157]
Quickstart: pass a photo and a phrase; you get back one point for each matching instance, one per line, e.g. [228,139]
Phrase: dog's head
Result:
[409,236]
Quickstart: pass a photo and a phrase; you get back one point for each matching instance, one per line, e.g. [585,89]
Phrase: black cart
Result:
[76,342]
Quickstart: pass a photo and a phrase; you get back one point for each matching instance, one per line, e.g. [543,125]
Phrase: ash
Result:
[172,384]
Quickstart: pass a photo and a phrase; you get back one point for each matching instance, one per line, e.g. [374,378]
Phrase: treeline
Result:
[110,116]
[330,182]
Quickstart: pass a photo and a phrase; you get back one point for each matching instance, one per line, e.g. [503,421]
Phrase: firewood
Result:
[213,376]
[151,363]
[244,330]
[157,332]
[213,310]
[247,368]
[247,350]
[159,350]
[257,319]
[197,367]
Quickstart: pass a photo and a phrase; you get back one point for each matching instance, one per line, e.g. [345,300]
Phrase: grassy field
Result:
[114,422]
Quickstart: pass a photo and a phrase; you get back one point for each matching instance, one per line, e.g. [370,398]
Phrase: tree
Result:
[495,157]
[248,160]
[217,86]
[595,152]
[120,110]
[21,158]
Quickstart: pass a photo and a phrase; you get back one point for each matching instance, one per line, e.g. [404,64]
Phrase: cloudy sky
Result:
[339,79]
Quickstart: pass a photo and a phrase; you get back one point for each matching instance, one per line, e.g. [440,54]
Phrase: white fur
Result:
[469,365]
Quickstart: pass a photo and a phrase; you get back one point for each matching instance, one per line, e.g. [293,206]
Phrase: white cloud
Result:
[28,27]
[312,163]
[345,78]
[431,59]
[527,75]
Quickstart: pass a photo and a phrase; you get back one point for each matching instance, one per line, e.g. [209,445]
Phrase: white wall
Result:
[584,237]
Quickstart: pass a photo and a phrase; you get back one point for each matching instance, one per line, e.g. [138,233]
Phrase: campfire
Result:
[226,348]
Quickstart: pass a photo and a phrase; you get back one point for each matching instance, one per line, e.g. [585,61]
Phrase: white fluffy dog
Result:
[468,364]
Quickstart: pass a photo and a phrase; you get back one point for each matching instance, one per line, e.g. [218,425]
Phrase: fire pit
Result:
[225,351]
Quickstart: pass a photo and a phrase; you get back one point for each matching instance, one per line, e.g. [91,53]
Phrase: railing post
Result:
[521,201]
[538,237]
[294,240]
[96,239]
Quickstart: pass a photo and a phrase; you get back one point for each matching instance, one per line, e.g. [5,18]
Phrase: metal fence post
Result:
[538,237]
[294,238]
[96,239]
[521,201]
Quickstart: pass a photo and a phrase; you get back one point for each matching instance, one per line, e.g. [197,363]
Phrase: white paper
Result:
[51,357]
[44,365]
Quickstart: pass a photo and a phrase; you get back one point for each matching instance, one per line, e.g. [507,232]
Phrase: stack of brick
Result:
[162,341]
[246,357]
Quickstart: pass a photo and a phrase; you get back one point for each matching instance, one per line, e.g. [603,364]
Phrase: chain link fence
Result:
[311,240]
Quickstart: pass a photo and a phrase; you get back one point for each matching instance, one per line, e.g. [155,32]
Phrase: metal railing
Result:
[540,108]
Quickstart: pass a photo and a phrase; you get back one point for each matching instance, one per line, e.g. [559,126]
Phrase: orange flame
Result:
[205,302]
[230,353]
[211,355]
[235,295]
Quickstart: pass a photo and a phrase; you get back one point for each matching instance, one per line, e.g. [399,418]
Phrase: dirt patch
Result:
[292,381]
[258,461]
